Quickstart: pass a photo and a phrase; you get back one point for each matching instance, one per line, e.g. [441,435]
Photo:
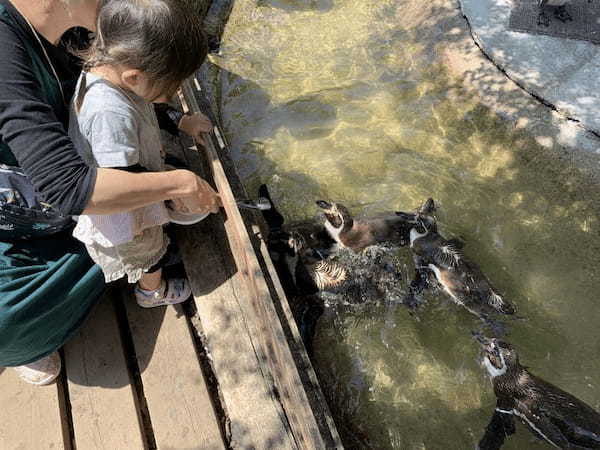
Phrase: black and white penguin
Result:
[358,234]
[309,270]
[303,274]
[550,413]
[460,278]
[298,252]
[314,234]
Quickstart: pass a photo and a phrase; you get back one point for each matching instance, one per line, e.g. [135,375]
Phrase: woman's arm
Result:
[36,137]
[117,190]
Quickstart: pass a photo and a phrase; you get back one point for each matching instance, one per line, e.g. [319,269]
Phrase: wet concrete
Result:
[563,73]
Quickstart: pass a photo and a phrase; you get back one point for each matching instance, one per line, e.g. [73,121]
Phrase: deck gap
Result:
[139,398]
[206,366]
[64,406]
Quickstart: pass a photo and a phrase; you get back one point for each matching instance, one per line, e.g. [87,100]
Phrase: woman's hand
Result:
[202,198]
[194,125]
[118,191]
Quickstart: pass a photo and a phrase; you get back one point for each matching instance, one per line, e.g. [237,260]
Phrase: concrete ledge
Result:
[562,73]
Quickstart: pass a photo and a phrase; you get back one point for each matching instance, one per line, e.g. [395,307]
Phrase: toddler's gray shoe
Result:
[170,292]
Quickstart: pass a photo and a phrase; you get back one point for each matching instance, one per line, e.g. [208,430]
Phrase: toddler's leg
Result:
[151,281]
[164,292]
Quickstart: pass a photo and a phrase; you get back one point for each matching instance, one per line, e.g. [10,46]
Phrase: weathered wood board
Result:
[175,390]
[260,324]
[29,415]
[256,418]
[103,404]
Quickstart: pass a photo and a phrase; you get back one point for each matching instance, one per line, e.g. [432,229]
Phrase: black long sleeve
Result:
[29,125]
[168,117]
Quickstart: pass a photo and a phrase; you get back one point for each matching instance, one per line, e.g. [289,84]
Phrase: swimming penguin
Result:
[314,234]
[303,275]
[359,234]
[460,278]
[297,252]
[550,413]
[310,271]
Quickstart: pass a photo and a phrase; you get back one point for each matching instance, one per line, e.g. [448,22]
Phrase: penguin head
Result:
[281,244]
[338,218]
[422,221]
[499,357]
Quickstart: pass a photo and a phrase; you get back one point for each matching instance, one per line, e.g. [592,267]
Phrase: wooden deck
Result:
[225,370]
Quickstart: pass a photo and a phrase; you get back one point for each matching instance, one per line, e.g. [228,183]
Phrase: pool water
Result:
[352,101]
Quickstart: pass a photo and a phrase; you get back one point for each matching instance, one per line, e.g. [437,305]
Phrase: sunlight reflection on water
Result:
[348,101]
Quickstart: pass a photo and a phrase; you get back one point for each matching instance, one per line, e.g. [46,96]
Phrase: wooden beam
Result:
[256,418]
[257,307]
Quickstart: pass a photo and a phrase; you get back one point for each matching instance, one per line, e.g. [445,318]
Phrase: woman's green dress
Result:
[47,285]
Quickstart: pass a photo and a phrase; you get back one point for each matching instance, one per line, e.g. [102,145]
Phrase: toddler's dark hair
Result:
[162,38]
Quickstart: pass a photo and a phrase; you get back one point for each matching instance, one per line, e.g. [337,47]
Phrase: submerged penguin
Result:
[550,413]
[460,278]
[359,234]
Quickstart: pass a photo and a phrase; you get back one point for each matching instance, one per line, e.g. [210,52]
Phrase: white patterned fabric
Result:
[131,259]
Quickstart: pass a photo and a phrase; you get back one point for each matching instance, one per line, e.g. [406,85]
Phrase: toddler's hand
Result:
[194,125]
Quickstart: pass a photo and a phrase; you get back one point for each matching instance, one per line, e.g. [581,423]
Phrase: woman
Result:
[48,284]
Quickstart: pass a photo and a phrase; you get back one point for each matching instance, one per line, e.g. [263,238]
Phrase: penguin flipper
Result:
[273,218]
[501,426]
[541,425]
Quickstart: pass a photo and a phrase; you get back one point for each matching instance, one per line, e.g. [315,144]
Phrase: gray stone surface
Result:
[563,72]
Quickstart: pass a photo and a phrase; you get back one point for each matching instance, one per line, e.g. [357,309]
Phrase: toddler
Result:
[142,52]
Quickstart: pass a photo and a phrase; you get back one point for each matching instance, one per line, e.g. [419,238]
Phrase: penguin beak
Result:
[323,204]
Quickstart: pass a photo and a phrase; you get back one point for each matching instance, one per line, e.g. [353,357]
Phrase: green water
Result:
[351,101]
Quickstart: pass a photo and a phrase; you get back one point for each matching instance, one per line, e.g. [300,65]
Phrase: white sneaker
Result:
[41,372]
[170,292]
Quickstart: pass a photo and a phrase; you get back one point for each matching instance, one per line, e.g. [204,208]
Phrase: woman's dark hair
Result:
[162,38]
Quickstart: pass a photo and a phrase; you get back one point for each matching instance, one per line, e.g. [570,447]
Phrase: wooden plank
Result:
[29,415]
[261,318]
[103,403]
[306,370]
[177,397]
[258,229]
[256,419]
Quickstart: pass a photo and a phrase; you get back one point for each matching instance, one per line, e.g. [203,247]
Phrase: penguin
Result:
[357,235]
[298,252]
[309,270]
[304,274]
[314,234]
[460,278]
[550,413]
